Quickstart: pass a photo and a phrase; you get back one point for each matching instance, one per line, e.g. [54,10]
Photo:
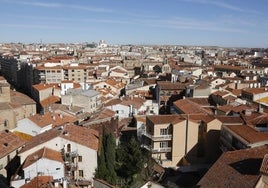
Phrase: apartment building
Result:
[76,72]
[172,138]
[50,74]
[90,100]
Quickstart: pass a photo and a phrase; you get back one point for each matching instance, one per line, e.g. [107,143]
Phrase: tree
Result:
[106,159]
[110,159]
[130,160]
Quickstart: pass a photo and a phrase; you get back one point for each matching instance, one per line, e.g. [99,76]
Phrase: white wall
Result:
[29,127]
[89,156]
[121,111]
[45,167]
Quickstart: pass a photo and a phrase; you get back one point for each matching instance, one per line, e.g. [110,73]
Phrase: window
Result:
[163,131]
[163,144]
[80,158]
[81,173]
[68,147]
[6,123]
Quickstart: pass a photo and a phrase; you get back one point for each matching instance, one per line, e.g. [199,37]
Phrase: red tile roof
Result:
[164,119]
[231,120]
[238,168]
[43,153]
[247,134]
[82,135]
[50,100]
[193,106]
[40,182]
[9,142]
[163,85]
[40,87]
[255,90]
[52,118]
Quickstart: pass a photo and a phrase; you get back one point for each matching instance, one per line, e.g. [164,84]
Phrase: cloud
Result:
[218,4]
[61,5]
[30,26]
[190,24]
[40,4]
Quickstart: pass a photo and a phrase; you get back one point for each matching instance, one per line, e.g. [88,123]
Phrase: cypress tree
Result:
[106,159]
[110,159]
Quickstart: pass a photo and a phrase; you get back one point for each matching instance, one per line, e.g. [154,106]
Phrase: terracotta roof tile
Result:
[81,135]
[238,168]
[193,106]
[52,118]
[247,133]
[163,119]
[202,117]
[231,120]
[255,90]
[163,85]
[50,100]
[40,87]
[43,153]
[40,182]
[9,142]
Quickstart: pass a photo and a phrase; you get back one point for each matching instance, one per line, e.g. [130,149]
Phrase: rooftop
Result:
[43,153]
[238,168]
[81,135]
[9,142]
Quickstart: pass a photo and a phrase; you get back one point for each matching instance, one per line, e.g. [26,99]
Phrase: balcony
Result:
[157,150]
[161,150]
[71,166]
[158,137]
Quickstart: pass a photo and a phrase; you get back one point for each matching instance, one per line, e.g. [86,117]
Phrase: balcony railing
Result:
[158,137]
[157,150]
[161,150]
[71,166]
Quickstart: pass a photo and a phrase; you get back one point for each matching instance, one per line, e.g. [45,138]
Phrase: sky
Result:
[225,23]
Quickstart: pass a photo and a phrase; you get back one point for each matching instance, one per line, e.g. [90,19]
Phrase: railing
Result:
[161,150]
[157,150]
[72,166]
[158,137]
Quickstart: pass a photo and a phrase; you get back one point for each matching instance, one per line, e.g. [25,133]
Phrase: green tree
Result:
[110,159]
[101,170]
[130,160]
[106,159]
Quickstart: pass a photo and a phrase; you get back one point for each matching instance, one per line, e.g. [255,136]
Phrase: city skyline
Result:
[241,23]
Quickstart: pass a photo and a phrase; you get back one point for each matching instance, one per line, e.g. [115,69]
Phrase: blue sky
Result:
[227,23]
